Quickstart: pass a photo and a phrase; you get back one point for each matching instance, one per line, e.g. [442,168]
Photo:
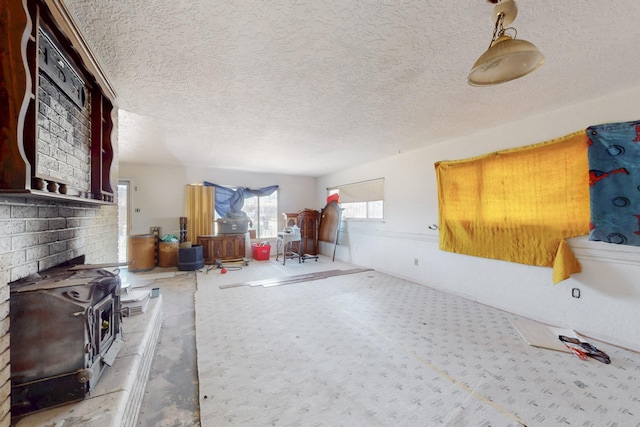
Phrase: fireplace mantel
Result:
[58,108]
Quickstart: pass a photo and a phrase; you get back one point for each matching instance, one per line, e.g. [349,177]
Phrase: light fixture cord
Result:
[497,30]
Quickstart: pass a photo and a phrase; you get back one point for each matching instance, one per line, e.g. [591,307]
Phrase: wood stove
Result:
[65,331]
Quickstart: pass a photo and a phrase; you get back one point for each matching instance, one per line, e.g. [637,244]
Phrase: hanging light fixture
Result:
[507,58]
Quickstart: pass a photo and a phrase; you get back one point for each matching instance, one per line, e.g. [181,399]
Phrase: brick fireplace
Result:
[35,236]
[57,160]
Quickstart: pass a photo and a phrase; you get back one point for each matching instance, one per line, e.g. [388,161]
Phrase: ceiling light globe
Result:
[507,59]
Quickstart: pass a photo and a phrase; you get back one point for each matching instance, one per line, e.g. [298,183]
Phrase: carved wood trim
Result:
[21,147]
[15,94]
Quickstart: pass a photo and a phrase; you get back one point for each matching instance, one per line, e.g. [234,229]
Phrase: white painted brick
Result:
[22,241]
[35,225]
[18,257]
[47,237]
[48,212]
[12,226]
[21,211]
[36,253]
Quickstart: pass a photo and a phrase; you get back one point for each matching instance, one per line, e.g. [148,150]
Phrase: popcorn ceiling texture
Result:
[241,84]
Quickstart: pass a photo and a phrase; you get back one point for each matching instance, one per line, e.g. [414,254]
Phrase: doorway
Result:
[124,217]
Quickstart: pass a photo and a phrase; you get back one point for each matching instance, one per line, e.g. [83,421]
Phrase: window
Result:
[364,200]
[371,210]
[263,213]
[259,204]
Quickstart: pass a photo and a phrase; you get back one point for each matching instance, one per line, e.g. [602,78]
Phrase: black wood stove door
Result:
[62,329]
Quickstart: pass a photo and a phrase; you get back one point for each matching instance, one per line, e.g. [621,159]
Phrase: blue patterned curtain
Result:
[230,200]
[614,182]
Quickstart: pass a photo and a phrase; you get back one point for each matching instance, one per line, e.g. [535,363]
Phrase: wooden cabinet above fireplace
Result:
[56,108]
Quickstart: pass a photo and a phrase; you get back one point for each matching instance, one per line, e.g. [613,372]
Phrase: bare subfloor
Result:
[171,396]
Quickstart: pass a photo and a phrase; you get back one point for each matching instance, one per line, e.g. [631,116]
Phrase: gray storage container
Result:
[232,225]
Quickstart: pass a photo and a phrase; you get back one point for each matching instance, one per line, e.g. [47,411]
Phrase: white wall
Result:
[609,307]
[159,192]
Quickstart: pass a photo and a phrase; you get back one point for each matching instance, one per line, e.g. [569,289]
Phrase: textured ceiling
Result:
[308,87]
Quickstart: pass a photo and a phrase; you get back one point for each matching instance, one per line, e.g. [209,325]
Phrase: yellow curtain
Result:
[199,211]
[518,205]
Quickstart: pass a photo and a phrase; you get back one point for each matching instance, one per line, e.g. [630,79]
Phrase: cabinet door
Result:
[233,246]
[241,246]
[308,223]
[217,248]
[228,247]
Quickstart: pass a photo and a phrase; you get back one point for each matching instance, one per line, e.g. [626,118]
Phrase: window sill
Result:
[373,220]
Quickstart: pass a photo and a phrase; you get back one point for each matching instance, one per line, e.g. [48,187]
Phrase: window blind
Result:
[365,191]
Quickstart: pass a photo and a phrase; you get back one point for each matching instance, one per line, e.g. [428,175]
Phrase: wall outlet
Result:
[575,292]
[355,247]
[415,262]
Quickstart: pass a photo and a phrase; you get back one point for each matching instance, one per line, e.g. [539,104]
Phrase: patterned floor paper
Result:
[369,349]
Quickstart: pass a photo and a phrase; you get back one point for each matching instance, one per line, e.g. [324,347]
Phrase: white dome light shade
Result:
[507,59]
